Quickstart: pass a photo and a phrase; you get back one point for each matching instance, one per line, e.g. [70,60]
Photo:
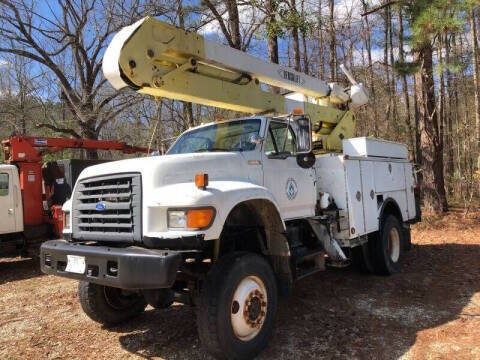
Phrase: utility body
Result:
[237,210]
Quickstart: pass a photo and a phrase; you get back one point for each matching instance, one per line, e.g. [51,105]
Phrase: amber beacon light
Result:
[201,181]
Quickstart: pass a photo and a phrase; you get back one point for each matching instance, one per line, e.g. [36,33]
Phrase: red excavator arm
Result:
[31,148]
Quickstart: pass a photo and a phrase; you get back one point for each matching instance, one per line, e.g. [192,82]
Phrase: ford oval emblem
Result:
[100,206]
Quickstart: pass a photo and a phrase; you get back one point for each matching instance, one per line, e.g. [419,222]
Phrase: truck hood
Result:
[173,169]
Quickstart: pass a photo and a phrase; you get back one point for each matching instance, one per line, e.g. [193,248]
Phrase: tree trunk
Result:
[321,44]
[305,53]
[441,108]
[272,38]
[431,144]
[304,43]
[234,23]
[388,89]
[333,52]
[403,75]
[89,132]
[473,36]
[452,109]
[393,85]
[296,42]
[187,106]
[368,45]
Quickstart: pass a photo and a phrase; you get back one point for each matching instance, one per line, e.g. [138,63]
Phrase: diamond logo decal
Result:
[291,189]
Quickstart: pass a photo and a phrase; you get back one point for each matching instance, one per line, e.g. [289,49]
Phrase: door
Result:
[369,198]
[355,198]
[7,208]
[293,187]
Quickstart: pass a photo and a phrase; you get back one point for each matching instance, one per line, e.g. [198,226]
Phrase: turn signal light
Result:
[201,180]
[200,218]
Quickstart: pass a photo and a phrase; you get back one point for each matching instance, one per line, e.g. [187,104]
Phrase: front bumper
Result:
[126,268]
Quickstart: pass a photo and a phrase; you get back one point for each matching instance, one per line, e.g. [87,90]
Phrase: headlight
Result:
[66,220]
[177,219]
[192,219]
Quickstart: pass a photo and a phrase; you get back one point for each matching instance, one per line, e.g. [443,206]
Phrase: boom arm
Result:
[28,148]
[161,60]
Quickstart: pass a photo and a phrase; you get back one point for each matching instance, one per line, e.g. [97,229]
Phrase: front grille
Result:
[108,208]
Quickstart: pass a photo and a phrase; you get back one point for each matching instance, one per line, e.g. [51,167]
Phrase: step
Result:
[303,273]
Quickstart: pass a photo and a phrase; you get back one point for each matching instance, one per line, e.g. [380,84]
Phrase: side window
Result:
[280,139]
[3,184]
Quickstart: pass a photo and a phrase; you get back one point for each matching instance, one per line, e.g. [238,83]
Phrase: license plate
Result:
[75,264]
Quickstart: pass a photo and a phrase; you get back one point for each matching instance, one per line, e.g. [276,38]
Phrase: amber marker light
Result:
[200,218]
[298,111]
[201,181]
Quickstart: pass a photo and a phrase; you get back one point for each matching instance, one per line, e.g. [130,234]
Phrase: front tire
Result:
[237,306]
[107,305]
[389,247]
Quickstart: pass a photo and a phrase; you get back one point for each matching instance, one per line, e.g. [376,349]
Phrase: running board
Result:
[333,250]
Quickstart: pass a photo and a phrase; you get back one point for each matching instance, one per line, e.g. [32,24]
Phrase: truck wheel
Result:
[362,257]
[388,247]
[237,306]
[159,298]
[108,305]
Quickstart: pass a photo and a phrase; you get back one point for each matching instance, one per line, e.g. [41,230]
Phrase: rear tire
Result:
[362,257]
[237,306]
[107,305]
[388,247]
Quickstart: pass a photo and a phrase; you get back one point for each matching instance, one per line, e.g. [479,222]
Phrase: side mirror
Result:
[303,131]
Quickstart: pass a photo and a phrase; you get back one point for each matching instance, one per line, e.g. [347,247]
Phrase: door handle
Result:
[10,211]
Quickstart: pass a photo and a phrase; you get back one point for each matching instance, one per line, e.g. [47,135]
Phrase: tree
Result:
[427,21]
[230,26]
[333,52]
[474,40]
[67,39]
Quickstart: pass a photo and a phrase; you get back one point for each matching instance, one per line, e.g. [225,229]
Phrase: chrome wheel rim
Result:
[248,308]
[394,244]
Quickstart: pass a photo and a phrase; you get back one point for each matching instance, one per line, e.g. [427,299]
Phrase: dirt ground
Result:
[431,310]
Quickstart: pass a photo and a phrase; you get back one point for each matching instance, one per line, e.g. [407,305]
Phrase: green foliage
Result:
[406,68]
[432,17]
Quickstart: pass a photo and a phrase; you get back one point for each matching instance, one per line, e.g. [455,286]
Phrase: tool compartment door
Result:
[355,198]
[410,190]
[7,206]
[370,207]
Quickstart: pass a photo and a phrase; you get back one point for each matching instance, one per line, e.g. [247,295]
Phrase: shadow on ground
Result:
[19,268]
[338,313]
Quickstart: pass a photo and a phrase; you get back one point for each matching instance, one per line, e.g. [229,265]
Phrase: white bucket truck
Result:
[237,210]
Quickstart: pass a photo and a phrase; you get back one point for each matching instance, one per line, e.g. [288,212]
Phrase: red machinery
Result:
[26,153]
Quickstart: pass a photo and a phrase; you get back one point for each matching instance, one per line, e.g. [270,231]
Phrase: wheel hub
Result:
[249,308]
[394,244]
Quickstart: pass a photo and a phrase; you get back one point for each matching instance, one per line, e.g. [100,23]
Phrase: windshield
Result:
[229,136]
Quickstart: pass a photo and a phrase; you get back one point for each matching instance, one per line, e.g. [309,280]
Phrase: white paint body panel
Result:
[342,177]
[11,207]
[364,146]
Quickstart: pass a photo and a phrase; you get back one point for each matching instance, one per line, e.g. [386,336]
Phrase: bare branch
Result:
[380,7]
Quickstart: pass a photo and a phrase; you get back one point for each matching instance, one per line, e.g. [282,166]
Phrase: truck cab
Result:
[11,210]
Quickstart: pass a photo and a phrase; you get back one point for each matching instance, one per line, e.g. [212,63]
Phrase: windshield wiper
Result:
[212,149]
